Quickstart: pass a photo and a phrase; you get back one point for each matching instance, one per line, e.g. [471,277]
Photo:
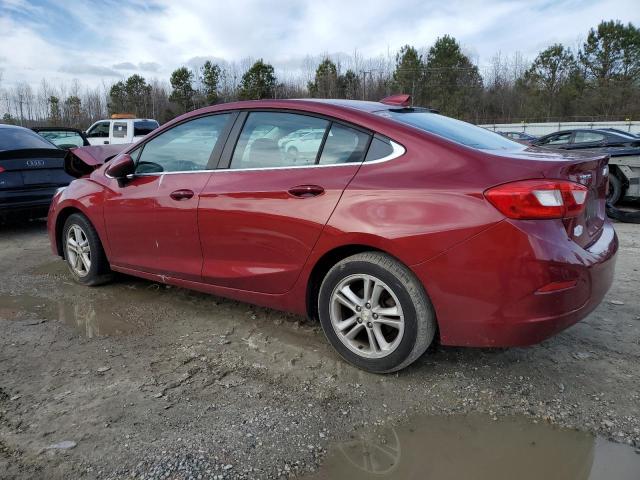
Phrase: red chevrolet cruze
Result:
[387,222]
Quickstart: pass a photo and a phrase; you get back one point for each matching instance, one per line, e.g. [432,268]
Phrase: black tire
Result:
[99,271]
[616,190]
[419,316]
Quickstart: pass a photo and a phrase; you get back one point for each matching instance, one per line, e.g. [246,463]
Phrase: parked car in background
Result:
[121,129]
[623,148]
[31,170]
[402,223]
[303,147]
[585,138]
[521,137]
[63,137]
[622,132]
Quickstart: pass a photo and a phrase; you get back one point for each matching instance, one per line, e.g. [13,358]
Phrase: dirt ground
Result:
[139,380]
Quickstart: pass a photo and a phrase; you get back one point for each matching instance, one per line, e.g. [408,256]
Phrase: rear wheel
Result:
[375,312]
[83,252]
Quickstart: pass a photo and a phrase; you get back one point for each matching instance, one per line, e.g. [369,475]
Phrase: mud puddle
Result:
[91,319]
[475,446]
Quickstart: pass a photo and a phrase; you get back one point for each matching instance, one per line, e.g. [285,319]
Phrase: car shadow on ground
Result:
[16,224]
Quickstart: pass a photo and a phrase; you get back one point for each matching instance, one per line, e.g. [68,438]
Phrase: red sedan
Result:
[396,224]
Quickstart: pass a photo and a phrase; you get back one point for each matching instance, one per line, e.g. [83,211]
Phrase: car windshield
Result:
[452,129]
[13,138]
[63,138]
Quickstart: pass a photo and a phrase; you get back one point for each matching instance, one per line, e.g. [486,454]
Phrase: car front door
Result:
[559,140]
[151,220]
[261,213]
[98,133]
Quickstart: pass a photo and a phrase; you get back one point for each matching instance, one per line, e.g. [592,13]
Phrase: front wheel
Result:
[83,251]
[375,312]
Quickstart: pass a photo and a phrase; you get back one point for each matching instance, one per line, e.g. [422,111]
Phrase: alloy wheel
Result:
[366,315]
[78,251]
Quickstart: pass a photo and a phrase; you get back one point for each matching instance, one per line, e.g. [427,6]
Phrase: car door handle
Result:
[181,194]
[306,191]
[106,142]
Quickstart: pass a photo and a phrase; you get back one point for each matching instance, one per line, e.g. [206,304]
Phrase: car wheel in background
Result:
[83,252]
[615,192]
[375,312]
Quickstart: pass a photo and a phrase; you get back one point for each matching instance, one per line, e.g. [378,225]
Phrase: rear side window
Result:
[344,145]
[143,127]
[277,139]
[185,147]
[588,137]
[380,148]
[14,138]
[120,129]
[454,130]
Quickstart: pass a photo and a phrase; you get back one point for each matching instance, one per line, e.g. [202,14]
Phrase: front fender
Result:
[82,195]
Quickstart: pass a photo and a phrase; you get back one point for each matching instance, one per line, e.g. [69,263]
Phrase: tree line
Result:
[600,80]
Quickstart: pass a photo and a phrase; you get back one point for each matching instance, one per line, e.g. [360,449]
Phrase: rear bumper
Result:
[32,199]
[486,290]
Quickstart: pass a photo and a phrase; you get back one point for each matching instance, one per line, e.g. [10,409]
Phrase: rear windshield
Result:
[454,130]
[13,138]
[142,127]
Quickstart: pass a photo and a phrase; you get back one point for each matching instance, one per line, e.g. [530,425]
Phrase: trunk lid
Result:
[33,167]
[82,161]
[586,168]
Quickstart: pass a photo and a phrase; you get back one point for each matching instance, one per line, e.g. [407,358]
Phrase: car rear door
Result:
[151,220]
[587,139]
[262,211]
[120,132]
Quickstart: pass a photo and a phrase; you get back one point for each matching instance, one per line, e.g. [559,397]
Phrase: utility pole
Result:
[21,113]
[364,82]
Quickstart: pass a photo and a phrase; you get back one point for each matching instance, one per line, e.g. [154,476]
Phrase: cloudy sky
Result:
[105,40]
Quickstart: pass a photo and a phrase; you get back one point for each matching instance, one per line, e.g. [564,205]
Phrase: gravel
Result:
[194,386]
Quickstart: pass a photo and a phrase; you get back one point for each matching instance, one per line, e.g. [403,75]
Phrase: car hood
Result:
[82,161]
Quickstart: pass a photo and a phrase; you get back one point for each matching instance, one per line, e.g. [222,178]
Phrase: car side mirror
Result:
[120,167]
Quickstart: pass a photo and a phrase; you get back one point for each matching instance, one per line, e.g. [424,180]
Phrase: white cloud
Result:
[157,38]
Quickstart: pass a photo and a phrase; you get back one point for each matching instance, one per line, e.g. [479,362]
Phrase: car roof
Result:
[597,130]
[358,112]
[17,127]
[23,131]
[363,105]
[56,129]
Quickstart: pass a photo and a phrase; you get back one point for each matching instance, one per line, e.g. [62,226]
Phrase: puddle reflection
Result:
[91,319]
[476,447]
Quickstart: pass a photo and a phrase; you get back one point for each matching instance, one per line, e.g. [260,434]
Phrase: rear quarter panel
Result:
[422,203]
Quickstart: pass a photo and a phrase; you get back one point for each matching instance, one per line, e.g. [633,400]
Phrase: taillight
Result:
[1,169]
[537,199]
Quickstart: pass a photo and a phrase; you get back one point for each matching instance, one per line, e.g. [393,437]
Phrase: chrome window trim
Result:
[157,174]
[398,151]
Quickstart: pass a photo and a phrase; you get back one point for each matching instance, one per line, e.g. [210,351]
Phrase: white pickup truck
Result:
[120,130]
